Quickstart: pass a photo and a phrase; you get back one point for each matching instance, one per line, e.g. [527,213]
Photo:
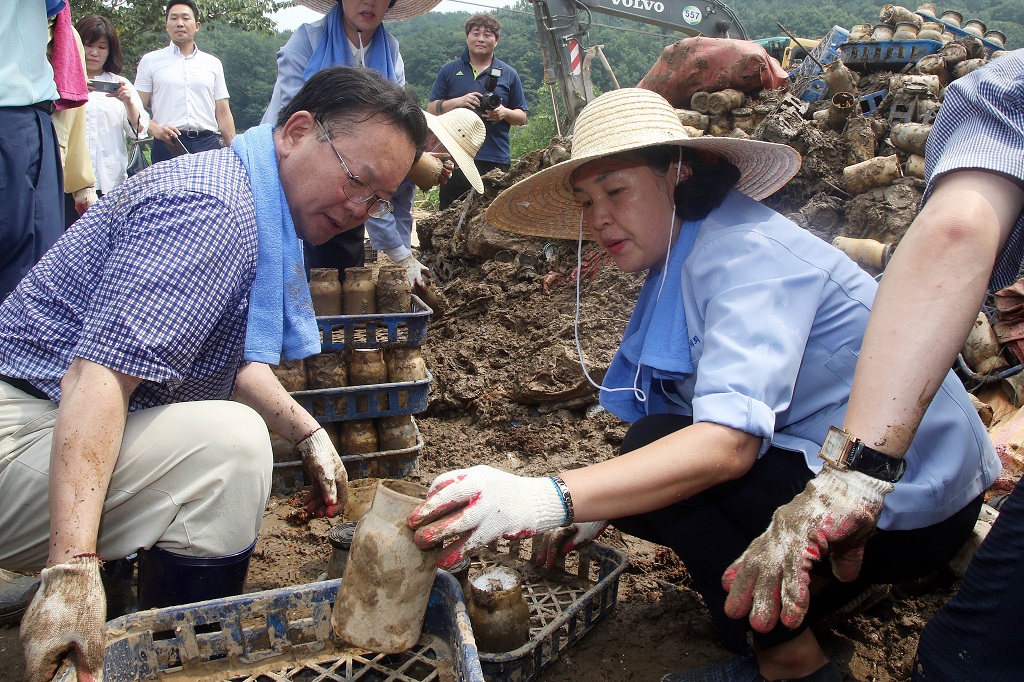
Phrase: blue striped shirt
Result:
[153,281]
[981,126]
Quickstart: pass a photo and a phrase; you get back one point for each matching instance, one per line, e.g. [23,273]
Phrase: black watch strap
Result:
[876,464]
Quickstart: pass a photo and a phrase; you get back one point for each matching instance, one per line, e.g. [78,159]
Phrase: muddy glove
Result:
[322,463]
[447,167]
[66,616]
[84,198]
[417,272]
[835,514]
[480,505]
[555,544]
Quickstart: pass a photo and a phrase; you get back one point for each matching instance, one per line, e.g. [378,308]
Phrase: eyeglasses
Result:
[356,188]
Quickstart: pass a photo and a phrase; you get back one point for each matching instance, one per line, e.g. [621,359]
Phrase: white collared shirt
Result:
[106,126]
[184,90]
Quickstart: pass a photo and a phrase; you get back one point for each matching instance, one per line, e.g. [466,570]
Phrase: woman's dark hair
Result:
[342,96]
[710,180]
[93,28]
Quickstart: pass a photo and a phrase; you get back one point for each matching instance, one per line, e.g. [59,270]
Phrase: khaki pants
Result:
[192,478]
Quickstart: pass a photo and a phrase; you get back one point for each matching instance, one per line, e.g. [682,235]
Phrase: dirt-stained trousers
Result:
[192,478]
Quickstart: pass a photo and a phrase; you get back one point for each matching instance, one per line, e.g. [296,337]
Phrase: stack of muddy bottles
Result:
[370,376]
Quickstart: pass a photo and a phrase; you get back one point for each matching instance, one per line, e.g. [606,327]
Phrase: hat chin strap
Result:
[640,395]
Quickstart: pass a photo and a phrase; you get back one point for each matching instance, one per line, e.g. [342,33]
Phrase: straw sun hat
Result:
[462,133]
[400,11]
[543,205]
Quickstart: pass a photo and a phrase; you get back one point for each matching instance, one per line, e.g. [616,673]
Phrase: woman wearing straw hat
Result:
[352,34]
[737,359]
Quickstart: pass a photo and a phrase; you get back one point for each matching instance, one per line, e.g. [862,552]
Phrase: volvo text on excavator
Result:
[562,25]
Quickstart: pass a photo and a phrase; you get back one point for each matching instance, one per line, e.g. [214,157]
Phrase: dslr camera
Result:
[490,101]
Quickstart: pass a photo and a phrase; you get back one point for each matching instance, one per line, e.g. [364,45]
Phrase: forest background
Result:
[243,36]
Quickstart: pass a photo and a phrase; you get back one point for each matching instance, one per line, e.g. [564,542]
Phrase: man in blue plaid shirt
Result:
[135,394]
[969,237]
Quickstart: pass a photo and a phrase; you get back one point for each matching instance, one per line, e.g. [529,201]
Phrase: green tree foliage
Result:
[140,23]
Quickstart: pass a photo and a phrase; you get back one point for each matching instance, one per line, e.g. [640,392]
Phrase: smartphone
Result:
[177,148]
[104,86]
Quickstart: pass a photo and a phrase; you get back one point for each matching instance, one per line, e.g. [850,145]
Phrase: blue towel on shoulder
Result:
[332,50]
[281,318]
[656,339]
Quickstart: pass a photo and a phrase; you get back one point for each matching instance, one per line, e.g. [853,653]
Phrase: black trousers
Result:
[345,250]
[979,634]
[710,530]
[163,151]
[458,184]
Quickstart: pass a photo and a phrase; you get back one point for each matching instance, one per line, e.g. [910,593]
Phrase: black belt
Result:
[24,385]
[47,106]
[196,134]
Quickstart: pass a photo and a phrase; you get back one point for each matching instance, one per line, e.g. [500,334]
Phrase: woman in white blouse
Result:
[110,116]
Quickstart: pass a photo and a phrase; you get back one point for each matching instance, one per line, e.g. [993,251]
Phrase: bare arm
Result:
[160,132]
[662,473]
[86,442]
[515,117]
[257,387]
[937,278]
[471,100]
[225,121]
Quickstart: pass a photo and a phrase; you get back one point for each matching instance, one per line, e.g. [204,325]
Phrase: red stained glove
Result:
[66,617]
[322,463]
[84,198]
[480,505]
[835,514]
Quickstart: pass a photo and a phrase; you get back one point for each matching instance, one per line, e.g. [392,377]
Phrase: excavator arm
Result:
[562,25]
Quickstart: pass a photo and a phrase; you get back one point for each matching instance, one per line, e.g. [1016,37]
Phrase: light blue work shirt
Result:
[26,76]
[393,230]
[775,319]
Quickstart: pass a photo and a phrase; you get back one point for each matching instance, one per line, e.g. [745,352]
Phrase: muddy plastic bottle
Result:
[498,610]
[327,370]
[394,293]
[396,433]
[325,290]
[340,537]
[358,437]
[384,593]
[359,292]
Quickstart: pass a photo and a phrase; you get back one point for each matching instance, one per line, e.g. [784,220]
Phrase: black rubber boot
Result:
[168,579]
[117,577]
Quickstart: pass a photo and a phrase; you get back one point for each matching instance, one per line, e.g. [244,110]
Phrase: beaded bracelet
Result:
[563,494]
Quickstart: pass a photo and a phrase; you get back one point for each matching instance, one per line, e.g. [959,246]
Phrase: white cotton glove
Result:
[480,505]
[417,272]
[835,514]
[330,480]
[66,617]
[555,544]
[84,198]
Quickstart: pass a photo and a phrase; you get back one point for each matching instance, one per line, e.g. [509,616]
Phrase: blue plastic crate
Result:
[562,608]
[400,463]
[384,330]
[285,634]
[889,55]
[990,47]
[805,79]
[870,102]
[365,402]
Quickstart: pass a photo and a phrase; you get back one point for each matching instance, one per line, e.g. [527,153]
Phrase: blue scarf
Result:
[332,50]
[656,339]
[281,318]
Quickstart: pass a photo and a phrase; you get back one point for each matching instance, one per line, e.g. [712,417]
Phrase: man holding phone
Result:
[185,89]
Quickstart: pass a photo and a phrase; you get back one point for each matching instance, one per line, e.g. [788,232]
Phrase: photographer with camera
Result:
[490,87]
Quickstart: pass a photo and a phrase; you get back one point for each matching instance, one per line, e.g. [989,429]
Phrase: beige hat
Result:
[400,11]
[543,205]
[462,133]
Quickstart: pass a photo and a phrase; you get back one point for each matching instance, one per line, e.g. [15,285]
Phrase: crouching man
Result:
[121,349]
